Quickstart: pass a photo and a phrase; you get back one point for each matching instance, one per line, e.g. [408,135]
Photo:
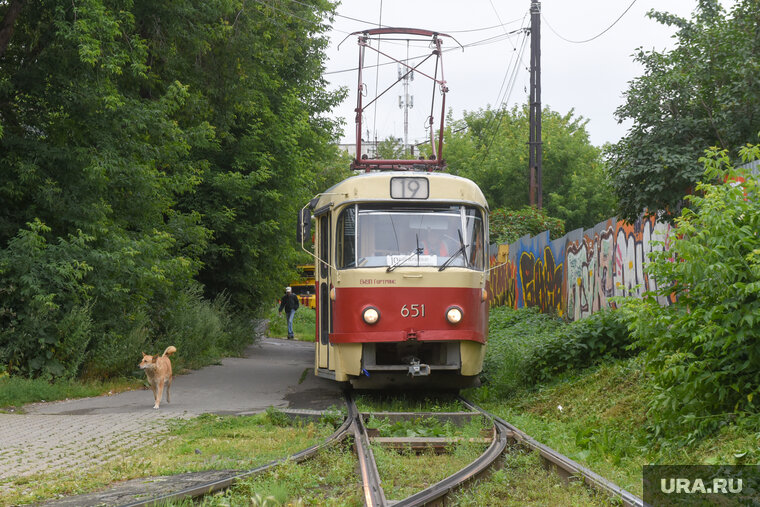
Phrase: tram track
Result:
[502,437]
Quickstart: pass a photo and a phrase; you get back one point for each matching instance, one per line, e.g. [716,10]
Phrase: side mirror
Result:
[304,225]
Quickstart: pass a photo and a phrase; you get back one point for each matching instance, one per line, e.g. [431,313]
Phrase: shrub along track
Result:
[502,434]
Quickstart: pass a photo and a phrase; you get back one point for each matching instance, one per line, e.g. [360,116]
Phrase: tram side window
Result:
[324,244]
[475,233]
[346,238]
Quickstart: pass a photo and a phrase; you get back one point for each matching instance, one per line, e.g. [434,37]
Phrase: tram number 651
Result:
[413,311]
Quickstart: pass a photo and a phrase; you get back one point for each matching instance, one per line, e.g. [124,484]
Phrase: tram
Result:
[400,257]
[401,281]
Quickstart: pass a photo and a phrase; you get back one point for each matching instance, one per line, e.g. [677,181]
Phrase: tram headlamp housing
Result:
[454,314]
[371,315]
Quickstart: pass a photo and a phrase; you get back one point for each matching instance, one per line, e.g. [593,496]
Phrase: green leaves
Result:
[149,146]
[702,350]
[507,226]
[699,94]
[490,147]
[581,344]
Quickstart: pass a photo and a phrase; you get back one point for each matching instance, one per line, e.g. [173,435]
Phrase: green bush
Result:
[66,312]
[507,226]
[703,350]
[581,344]
[45,304]
[513,336]
[200,329]
[304,323]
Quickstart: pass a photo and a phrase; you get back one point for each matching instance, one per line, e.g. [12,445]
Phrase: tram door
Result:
[324,304]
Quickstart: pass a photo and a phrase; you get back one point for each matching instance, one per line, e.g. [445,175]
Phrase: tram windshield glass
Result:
[393,236]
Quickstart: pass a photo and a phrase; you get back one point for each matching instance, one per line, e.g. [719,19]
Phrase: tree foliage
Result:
[703,350]
[490,147]
[705,92]
[507,226]
[151,151]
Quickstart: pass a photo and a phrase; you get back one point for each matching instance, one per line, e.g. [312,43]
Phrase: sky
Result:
[586,76]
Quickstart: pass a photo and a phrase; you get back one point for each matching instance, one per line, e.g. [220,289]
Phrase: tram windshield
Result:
[391,237]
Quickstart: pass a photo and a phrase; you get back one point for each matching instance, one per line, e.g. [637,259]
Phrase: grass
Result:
[208,442]
[513,335]
[602,424]
[597,416]
[16,391]
[404,473]
[332,478]
[329,479]
[409,402]
[522,480]
[304,324]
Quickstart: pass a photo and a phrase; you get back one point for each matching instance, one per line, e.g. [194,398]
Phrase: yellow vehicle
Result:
[401,261]
[392,309]
[305,287]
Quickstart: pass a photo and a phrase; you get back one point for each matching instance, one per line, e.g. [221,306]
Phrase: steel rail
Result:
[471,471]
[563,463]
[503,432]
[373,490]
[204,489]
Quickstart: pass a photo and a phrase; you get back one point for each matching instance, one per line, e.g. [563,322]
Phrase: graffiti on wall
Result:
[578,274]
[633,244]
[541,281]
[590,269]
[502,278]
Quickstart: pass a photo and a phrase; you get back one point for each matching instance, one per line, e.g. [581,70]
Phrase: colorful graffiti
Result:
[502,281]
[541,281]
[634,243]
[590,269]
[578,274]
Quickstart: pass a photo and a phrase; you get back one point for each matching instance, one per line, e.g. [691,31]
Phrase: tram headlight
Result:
[371,315]
[454,314]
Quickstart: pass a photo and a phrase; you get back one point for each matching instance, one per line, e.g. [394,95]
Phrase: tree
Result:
[507,226]
[146,147]
[490,147]
[256,71]
[390,148]
[702,350]
[703,93]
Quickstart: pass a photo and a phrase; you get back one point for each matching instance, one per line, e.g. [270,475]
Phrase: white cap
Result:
[287,289]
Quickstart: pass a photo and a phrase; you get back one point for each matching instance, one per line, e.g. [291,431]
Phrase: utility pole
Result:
[406,102]
[534,142]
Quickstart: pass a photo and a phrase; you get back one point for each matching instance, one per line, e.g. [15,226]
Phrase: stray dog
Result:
[159,372]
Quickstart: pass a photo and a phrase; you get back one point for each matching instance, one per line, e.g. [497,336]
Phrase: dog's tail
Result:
[171,349]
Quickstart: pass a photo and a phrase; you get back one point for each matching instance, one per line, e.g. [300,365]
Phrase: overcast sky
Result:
[589,77]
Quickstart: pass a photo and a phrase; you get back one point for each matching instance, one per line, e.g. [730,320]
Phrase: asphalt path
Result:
[272,373]
[82,433]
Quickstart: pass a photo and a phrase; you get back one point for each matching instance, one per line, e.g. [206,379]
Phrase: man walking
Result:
[289,303]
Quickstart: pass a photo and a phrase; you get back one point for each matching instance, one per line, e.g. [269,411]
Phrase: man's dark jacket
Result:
[289,302]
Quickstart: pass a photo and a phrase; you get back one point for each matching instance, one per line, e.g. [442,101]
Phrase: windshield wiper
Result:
[462,248]
[417,251]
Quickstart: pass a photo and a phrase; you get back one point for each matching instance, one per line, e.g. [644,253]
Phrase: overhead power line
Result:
[482,42]
[595,36]
[380,25]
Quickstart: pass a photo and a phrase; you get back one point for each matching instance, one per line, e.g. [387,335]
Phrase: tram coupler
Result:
[418,370]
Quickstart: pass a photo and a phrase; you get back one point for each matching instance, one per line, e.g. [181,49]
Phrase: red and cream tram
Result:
[400,256]
[401,280]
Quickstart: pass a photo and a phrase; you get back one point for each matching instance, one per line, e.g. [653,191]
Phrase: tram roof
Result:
[376,186]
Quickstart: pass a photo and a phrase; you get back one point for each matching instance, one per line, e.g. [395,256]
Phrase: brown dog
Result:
[159,372]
